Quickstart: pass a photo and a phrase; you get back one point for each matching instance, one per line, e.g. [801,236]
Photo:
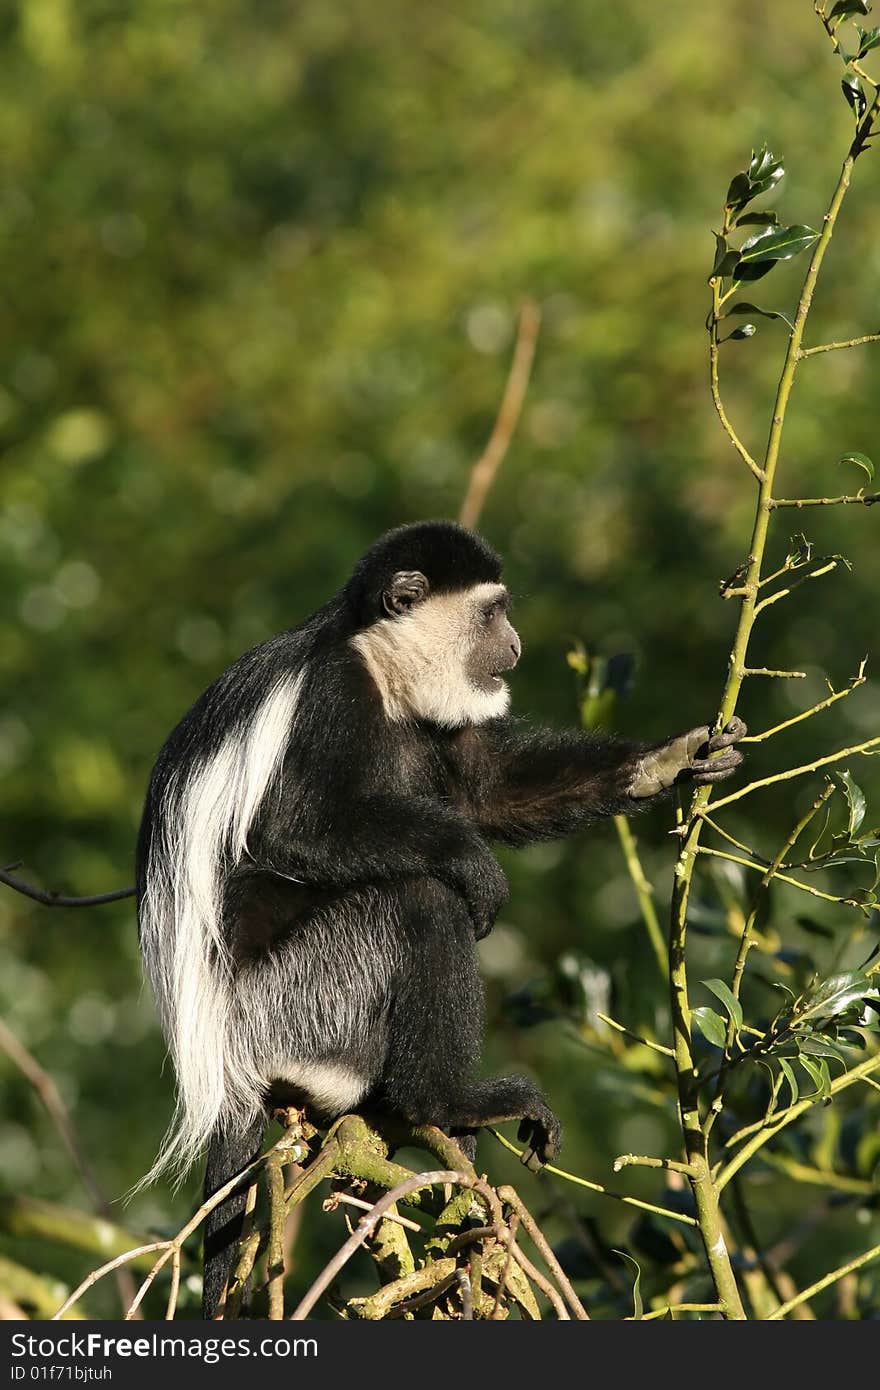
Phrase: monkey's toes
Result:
[544,1138]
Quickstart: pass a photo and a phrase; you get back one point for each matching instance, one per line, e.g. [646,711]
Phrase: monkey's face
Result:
[440,656]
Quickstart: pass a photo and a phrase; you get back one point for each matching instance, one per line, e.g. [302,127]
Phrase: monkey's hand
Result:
[687,758]
[484,887]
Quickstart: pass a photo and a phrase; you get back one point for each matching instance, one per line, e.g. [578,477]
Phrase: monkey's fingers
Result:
[731,733]
[705,770]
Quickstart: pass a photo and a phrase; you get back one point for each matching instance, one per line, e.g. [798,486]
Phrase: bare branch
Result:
[49,898]
[829,1279]
[836,347]
[486,468]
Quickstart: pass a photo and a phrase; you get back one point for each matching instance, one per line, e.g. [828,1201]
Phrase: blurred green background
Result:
[262,269]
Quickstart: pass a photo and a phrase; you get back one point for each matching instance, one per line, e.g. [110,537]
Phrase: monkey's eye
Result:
[489,612]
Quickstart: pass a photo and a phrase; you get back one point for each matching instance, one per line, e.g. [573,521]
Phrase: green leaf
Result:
[817,1070]
[725,994]
[777,244]
[744,307]
[788,1072]
[845,7]
[861,461]
[711,1025]
[746,330]
[855,800]
[833,996]
[763,172]
[638,1307]
[855,94]
[721,251]
[759,219]
[820,1047]
[868,39]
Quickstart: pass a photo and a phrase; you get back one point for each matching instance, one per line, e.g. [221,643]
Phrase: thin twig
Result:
[487,465]
[539,1240]
[831,699]
[543,1283]
[864,499]
[746,671]
[369,1222]
[51,899]
[826,1282]
[853,751]
[171,1306]
[768,1129]
[646,1161]
[50,1097]
[497,1310]
[671,1308]
[836,347]
[781,878]
[275,1245]
[644,894]
[347,1199]
[636,1037]
[597,1187]
[107,1268]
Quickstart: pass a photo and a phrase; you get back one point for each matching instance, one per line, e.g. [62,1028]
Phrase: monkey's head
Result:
[432,625]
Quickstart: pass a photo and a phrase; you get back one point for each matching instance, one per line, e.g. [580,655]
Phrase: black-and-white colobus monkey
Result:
[314,866]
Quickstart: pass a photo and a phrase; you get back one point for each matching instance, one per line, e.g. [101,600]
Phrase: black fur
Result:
[385,828]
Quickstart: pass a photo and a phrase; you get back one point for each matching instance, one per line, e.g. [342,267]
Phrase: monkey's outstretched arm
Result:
[536,784]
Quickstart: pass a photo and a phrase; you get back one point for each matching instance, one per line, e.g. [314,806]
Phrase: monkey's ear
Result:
[407,588]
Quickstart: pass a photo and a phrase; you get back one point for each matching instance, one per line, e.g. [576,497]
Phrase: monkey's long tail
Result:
[228,1152]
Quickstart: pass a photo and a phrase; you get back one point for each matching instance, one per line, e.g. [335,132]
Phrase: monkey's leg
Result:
[436,1030]
[228,1153]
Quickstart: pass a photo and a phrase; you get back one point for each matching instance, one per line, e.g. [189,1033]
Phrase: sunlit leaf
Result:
[855,801]
[638,1307]
[744,307]
[868,39]
[763,172]
[833,995]
[777,243]
[855,94]
[746,330]
[730,1002]
[845,7]
[711,1025]
[788,1072]
[861,461]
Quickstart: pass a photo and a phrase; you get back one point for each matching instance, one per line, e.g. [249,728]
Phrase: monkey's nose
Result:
[515,648]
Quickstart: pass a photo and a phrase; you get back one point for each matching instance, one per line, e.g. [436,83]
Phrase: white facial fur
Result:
[418,660]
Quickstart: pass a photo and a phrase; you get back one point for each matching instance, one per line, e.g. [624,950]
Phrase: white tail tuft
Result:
[199,831]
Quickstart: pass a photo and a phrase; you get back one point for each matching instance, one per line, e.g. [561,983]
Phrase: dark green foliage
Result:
[262,266]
